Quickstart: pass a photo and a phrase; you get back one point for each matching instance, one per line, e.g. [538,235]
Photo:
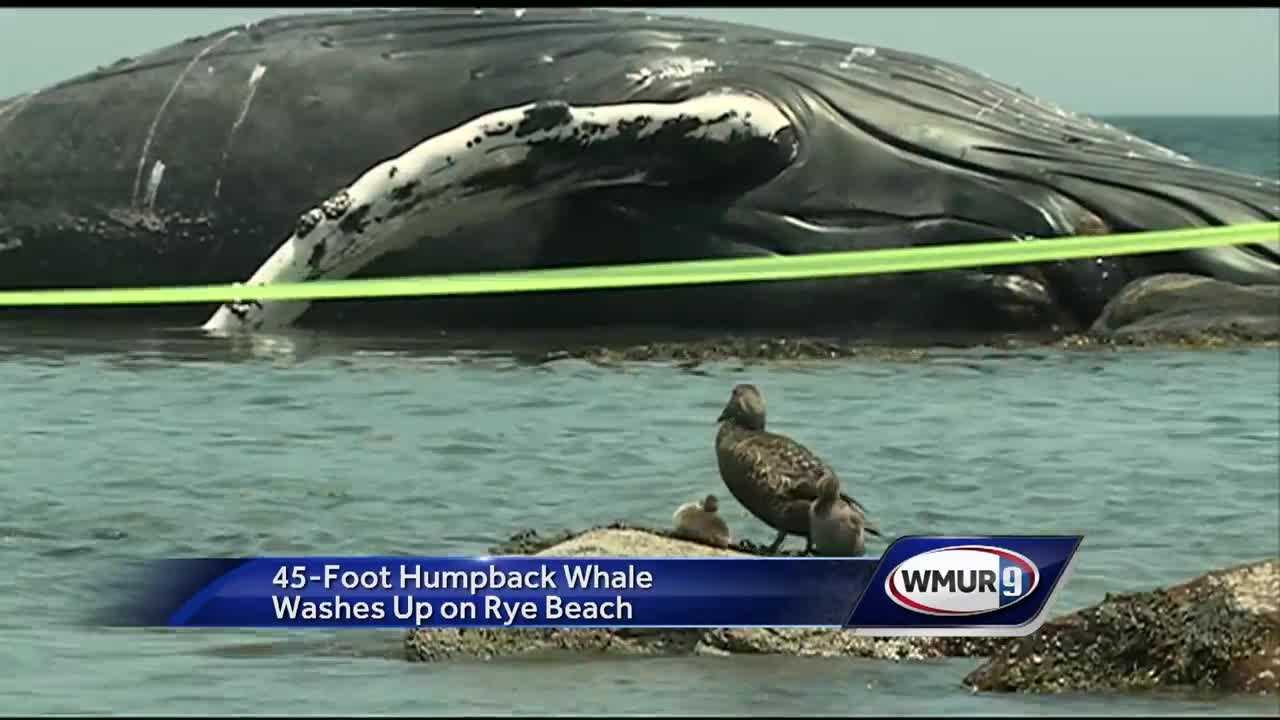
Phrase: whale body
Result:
[379,143]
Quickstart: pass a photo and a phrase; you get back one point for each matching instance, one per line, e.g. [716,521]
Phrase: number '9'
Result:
[1011,582]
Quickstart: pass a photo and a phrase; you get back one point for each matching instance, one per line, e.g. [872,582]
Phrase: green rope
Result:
[697,272]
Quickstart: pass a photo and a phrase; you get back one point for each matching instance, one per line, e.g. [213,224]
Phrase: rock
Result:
[1220,631]
[529,542]
[691,353]
[1176,308]
[1198,327]
[620,540]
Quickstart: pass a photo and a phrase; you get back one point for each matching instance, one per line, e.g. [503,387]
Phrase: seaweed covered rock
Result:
[1125,328]
[619,541]
[1178,308]
[692,352]
[1220,631]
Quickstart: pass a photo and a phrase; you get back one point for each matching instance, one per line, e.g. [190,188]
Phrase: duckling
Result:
[699,521]
[836,527]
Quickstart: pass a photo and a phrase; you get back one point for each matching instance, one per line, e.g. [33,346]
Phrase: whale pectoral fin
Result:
[513,157]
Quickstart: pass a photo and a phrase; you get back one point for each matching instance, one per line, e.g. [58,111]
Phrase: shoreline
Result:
[782,348]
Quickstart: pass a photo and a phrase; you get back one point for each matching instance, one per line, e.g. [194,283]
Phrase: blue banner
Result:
[920,586]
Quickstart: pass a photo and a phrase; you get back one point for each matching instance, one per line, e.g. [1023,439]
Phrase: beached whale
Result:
[377,143]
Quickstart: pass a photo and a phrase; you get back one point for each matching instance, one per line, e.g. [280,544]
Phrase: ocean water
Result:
[155,442]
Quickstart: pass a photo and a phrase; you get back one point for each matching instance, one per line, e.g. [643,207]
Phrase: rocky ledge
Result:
[1190,309]
[1220,631]
[1157,312]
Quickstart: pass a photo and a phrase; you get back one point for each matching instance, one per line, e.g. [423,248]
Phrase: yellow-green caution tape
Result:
[696,272]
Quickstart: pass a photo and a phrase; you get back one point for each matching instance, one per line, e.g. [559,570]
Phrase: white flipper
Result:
[496,163]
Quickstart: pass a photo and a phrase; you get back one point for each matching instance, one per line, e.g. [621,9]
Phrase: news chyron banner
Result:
[930,586]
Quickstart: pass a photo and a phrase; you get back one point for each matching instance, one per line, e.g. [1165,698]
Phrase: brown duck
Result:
[773,476]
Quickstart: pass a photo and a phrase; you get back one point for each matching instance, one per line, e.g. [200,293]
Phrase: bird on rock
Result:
[773,476]
[699,521]
[835,527]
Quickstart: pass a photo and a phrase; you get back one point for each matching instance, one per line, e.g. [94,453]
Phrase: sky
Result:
[1101,61]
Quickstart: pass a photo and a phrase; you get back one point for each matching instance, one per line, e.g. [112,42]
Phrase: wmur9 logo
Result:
[962,580]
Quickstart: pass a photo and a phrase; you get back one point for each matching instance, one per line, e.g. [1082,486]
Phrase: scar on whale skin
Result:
[155,122]
[254,78]
[537,151]
[153,186]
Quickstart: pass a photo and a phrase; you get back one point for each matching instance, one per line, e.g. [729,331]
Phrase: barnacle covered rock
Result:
[1220,631]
